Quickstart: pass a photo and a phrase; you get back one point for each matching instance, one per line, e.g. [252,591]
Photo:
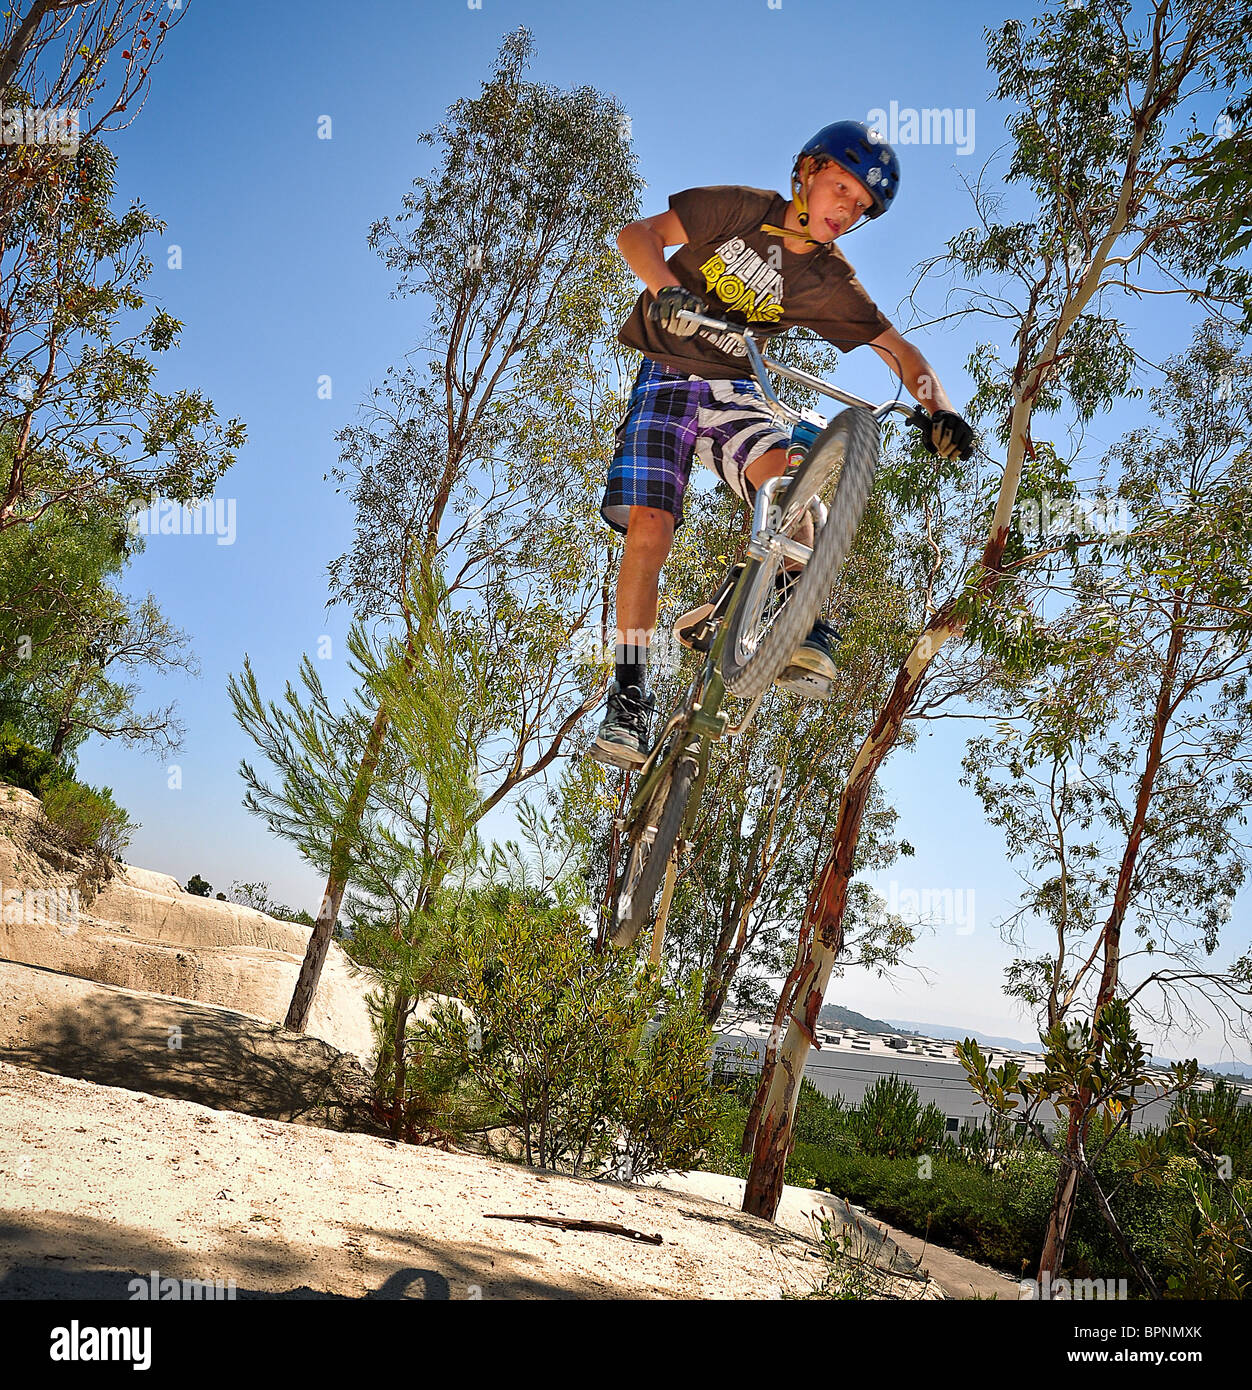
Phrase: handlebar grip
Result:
[919,418]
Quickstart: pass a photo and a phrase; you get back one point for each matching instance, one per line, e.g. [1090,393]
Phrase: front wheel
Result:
[762,636]
[652,840]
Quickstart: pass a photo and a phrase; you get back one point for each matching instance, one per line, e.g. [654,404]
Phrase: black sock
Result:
[631,661]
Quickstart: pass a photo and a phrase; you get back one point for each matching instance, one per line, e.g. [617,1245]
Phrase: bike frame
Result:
[699,712]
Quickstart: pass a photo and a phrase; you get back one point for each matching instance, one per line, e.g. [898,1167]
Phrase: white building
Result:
[849,1062]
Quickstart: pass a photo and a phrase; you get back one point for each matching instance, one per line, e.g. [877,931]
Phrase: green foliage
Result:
[1000,1215]
[1209,1241]
[823,1121]
[23,765]
[1209,1245]
[1213,1122]
[958,1206]
[199,886]
[88,817]
[555,1046]
[891,1122]
[94,425]
[435,1102]
[663,1104]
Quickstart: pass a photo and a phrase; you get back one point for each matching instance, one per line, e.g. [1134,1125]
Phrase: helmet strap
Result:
[801,203]
[798,196]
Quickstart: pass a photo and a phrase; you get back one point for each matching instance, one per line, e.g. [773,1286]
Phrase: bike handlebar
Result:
[913,414]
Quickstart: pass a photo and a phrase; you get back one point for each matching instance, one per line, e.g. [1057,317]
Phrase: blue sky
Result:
[278,288]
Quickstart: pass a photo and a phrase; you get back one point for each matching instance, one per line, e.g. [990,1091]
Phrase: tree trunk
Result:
[319,942]
[773,1112]
[1064,1203]
[399,1060]
[771,1121]
[1065,1198]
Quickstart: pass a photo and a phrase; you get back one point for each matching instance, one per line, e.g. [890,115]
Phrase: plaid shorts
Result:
[673,419]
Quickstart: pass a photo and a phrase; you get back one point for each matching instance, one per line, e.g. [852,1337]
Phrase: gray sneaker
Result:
[622,740]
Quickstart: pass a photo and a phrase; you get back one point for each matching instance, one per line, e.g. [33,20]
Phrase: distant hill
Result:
[939,1030]
[1232,1071]
[836,1016]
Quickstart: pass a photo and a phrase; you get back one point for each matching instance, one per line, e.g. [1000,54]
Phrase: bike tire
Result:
[646,859]
[850,444]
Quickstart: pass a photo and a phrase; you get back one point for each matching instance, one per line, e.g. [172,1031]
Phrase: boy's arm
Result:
[947,434]
[913,369]
[643,244]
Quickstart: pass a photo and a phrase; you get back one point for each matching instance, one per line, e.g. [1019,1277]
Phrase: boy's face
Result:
[837,201]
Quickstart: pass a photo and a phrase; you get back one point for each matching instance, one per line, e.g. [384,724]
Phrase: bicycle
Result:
[749,637]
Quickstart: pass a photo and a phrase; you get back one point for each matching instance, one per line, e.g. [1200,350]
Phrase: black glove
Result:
[665,307]
[949,435]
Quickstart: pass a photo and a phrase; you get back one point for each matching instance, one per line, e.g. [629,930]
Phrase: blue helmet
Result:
[864,154]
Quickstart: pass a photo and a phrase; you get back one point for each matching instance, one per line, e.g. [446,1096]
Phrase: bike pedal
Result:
[796,681]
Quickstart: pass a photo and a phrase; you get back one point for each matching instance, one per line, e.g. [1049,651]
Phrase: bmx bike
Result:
[751,633]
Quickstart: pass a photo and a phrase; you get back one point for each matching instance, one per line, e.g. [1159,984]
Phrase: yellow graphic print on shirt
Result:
[743,281]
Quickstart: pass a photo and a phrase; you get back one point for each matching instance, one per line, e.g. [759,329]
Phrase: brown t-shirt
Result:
[750,277]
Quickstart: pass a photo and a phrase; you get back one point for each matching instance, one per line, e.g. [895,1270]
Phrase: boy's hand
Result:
[665,308]
[948,435]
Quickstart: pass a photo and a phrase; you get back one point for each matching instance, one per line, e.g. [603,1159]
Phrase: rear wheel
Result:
[763,633]
[652,840]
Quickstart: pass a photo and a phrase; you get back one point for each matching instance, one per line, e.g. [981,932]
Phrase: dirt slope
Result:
[104,1185]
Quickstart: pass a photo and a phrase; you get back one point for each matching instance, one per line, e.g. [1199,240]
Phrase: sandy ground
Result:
[221,1158]
[102,1185]
[802,1210]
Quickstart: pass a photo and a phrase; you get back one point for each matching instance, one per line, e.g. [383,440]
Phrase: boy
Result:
[746,256]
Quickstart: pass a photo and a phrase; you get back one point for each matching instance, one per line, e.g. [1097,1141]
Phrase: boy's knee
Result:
[650,532]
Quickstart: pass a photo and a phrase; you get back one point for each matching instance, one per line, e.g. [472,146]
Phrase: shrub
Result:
[23,765]
[821,1120]
[1220,1124]
[721,1151]
[87,818]
[892,1123]
[663,1104]
[557,1048]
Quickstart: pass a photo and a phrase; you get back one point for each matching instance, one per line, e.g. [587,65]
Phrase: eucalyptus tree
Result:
[1126,781]
[482,457]
[78,401]
[54,54]
[1111,169]
[72,643]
